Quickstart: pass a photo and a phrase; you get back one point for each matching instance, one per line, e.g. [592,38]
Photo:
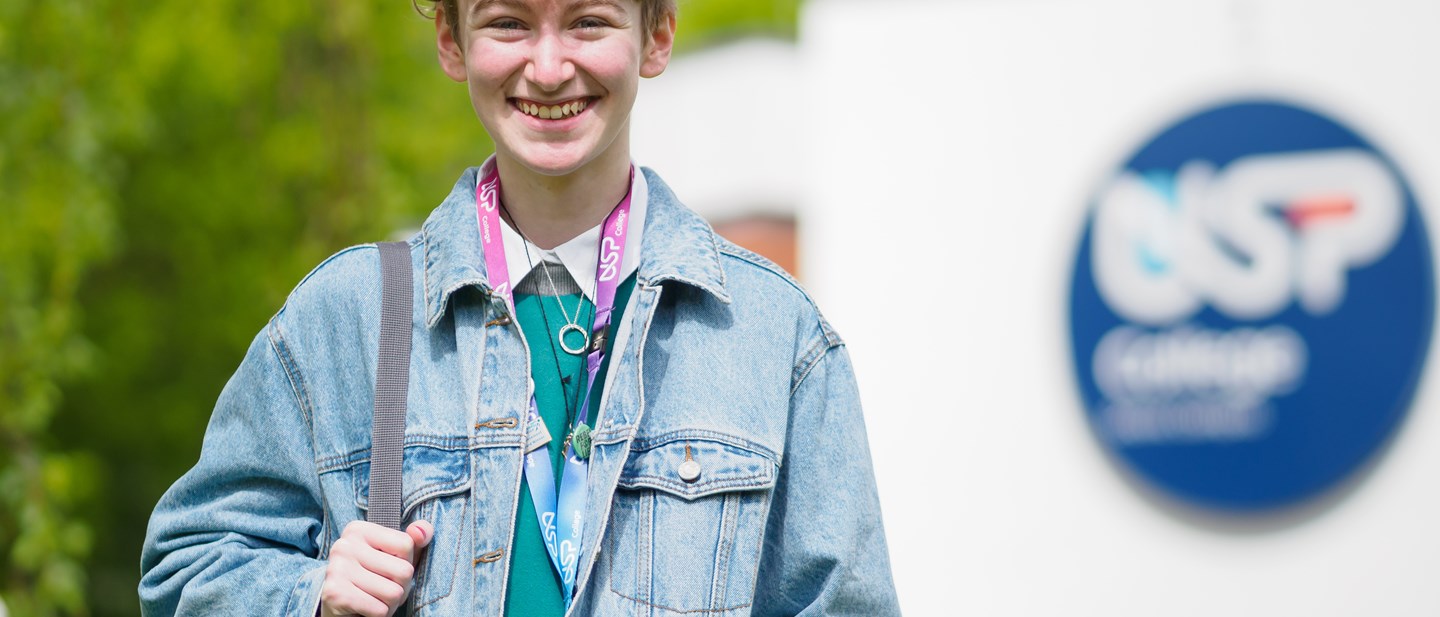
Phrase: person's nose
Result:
[550,65]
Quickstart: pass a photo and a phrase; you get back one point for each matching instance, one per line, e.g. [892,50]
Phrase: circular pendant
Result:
[564,341]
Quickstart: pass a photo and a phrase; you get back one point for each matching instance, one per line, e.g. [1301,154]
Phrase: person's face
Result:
[553,81]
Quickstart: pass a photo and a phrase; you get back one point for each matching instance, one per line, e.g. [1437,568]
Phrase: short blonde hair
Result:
[651,12]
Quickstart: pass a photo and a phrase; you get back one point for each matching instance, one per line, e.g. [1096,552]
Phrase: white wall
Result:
[717,126]
[969,135]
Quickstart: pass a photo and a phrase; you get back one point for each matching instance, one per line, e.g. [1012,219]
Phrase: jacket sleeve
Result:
[824,551]
[237,534]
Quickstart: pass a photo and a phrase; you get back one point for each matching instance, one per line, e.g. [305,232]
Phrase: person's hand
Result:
[371,568]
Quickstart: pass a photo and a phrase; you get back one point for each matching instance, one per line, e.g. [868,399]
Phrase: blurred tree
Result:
[707,22]
[168,170]
[279,132]
[57,191]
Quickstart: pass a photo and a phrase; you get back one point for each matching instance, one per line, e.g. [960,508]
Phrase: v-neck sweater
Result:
[534,588]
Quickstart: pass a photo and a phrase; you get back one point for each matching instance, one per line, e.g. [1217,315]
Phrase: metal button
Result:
[689,470]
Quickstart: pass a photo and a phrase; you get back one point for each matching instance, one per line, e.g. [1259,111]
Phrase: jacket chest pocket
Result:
[687,525]
[437,483]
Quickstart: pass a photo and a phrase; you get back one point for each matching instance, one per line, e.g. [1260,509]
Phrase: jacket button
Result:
[690,470]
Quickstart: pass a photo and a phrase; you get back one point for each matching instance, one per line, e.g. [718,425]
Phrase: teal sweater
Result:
[534,589]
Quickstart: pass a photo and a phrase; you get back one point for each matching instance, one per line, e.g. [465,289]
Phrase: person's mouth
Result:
[557,110]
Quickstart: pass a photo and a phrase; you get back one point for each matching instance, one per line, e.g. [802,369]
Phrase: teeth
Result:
[553,112]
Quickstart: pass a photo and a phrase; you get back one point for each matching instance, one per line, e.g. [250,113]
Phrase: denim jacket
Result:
[727,357]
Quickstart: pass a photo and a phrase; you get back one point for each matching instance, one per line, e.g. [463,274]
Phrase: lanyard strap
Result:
[561,513]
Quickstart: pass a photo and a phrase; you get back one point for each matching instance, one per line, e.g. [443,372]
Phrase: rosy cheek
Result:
[608,58]
[495,63]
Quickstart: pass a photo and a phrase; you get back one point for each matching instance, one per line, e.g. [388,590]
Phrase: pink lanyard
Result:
[562,526]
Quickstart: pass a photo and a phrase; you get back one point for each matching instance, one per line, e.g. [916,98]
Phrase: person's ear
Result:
[658,45]
[451,51]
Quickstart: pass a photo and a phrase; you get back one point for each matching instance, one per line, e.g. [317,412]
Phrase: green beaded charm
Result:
[581,440]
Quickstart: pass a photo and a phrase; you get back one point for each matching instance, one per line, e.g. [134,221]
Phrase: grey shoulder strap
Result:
[392,385]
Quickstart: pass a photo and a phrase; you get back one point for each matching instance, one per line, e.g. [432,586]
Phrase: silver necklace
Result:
[571,325]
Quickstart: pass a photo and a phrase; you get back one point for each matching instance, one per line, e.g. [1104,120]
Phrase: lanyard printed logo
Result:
[561,513]
[609,258]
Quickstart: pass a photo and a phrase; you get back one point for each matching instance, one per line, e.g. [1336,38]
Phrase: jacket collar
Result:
[677,246]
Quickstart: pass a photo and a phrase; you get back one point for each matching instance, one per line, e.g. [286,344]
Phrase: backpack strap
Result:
[392,385]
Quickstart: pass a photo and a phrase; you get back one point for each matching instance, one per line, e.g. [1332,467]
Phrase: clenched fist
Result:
[371,569]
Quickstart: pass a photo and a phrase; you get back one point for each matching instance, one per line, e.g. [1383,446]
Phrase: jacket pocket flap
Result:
[426,472]
[691,469]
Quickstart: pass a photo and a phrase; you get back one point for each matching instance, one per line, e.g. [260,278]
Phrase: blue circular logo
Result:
[1251,306]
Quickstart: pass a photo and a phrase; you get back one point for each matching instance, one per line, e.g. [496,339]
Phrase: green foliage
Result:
[57,192]
[168,170]
[706,22]
[278,133]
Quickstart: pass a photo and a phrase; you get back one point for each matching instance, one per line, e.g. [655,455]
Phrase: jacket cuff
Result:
[305,599]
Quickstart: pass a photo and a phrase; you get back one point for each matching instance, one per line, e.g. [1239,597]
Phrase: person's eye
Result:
[591,23]
[507,24]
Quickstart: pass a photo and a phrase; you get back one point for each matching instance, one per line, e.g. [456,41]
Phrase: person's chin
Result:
[553,161]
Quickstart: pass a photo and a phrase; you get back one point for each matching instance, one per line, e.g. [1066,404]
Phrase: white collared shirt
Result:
[580,254]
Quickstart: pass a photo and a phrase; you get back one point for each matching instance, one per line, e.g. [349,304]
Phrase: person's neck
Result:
[551,210]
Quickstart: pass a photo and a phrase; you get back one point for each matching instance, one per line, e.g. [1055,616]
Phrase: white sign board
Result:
[965,140]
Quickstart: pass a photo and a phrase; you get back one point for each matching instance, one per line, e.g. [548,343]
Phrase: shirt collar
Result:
[679,247]
[580,255]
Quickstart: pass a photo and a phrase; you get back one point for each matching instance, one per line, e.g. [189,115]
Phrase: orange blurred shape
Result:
[770,236]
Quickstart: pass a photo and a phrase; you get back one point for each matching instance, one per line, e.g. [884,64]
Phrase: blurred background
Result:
[169,170]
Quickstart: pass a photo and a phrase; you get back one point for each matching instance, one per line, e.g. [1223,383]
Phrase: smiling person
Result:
[611,409]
